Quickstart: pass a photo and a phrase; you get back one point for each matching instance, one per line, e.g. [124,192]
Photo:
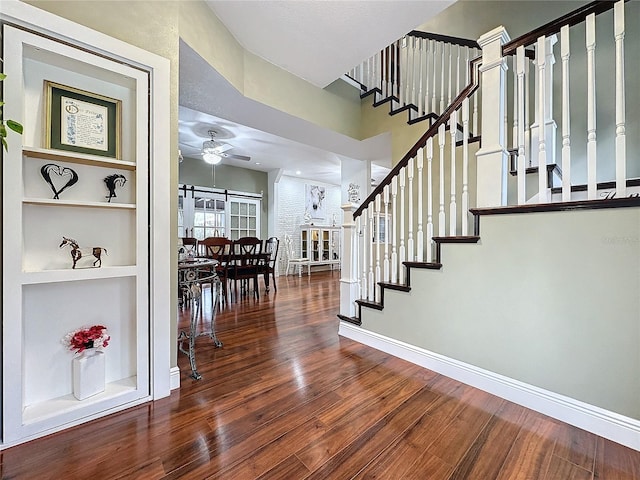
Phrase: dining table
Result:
[192,273]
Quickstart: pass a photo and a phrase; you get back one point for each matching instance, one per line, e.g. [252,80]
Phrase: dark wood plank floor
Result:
[286,398]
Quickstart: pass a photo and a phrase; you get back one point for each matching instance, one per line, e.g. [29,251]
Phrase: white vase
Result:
[88,373]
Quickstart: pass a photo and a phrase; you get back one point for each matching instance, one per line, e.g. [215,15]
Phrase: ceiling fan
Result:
[213,151]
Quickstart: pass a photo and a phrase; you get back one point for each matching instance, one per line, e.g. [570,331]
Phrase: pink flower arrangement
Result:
[87,337]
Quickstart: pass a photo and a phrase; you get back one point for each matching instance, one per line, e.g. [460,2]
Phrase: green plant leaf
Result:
[15,126]
[1,103]
[5,145]
[2,76]
[3,130]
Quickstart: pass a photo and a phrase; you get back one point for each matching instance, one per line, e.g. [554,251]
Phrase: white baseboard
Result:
[174,378]
[615,427]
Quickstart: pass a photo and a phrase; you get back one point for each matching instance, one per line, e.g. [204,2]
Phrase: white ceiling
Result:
[317,40]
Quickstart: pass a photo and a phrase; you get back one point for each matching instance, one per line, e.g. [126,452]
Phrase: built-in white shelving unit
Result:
[44,298]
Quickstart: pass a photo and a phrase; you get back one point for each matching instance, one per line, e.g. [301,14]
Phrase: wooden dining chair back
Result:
[246,256]
[268,267]
[219,249]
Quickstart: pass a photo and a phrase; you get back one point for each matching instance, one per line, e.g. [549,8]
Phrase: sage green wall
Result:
[550,299]
[262,81]
[196,172]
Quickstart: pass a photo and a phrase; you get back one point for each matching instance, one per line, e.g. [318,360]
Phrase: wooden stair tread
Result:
[353,320]
[457,239]
[367,303]
[395,286]
[427,265]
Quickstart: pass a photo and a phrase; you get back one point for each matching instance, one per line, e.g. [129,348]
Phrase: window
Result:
[204,213]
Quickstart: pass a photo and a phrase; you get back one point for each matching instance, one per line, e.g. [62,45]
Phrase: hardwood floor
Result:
[286,398]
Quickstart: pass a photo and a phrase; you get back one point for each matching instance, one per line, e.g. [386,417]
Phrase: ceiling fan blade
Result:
[223,147]
[236,157]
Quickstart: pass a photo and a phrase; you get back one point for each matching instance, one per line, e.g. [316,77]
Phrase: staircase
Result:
[411,280]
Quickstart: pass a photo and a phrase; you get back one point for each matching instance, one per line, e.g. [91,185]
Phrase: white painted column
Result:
[492,158]
[348,263]
[519,136]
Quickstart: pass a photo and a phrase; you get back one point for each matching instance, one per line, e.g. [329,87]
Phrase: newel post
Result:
[349,263]
[492,158]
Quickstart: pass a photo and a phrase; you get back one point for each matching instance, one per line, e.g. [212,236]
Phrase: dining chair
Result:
[268,265]
[292,260]
[246,255]
[190,245]
[219,249]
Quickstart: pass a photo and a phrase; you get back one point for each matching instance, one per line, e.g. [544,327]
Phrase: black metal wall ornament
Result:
[60,174]
[77,253]
[113,181]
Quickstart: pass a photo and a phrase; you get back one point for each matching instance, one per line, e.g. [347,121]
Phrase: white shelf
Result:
[58,406]
[74,157]
[74,275]
[73,203]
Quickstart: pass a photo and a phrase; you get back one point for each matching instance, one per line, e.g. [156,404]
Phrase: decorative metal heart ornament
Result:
[63,178]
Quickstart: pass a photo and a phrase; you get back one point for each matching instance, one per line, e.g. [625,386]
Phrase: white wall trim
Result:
[615,427]
[174,378]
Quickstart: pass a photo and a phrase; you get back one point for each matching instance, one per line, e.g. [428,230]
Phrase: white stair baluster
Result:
[422,54]
[394,235]
[520,138]
[370,239]
[365,259]
[383,73]
[403,71]
[621,143]
[390,56]
[385,265]
[429,199]
[591,107]
[441,214]
[409,74]
[377,242]
[410,246]
[465,166]
[476,132]
[514,132]
[428,53]
[419,234]
[357,253]
[450,86]
[457,70]
[541,56]
[402,251]
[453,211]
[527,112]
[414,70]
[566,115]
[442,84]
[435,70]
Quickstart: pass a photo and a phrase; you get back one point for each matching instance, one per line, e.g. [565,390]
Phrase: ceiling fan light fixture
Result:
[211,158]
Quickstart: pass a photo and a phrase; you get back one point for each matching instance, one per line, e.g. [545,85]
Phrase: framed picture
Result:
[81,121]
[315,204]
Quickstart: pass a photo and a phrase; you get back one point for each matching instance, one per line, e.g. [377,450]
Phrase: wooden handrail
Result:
[433,129]
[572,18]
[463,42]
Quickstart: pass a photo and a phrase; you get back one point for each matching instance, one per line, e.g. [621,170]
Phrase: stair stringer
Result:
[537,309]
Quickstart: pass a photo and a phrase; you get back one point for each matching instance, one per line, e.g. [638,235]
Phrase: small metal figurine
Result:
[62,172]
[77,252]
[113,181]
